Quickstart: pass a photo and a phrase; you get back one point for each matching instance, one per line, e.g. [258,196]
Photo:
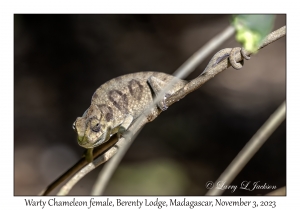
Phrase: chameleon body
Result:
[117,103]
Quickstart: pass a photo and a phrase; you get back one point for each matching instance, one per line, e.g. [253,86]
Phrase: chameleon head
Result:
[91,128]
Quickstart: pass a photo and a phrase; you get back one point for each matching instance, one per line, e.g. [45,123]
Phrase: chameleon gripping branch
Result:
[118,104]
[185,69]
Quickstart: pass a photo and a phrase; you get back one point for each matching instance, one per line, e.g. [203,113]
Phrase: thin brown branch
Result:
[80,164]
[105,155]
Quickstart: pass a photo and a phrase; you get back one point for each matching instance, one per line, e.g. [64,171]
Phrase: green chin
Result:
[84,142]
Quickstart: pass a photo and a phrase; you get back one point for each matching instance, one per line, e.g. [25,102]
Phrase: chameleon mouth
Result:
[99,141]
[85,145]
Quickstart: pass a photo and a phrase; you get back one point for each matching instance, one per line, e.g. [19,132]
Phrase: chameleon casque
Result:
[117,103]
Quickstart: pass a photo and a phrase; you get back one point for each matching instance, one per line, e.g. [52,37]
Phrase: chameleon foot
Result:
[157,85]
[125,125]
[162,104]
[232,60]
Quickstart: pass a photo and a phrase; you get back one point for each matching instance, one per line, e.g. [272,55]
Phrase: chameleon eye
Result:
[96,128]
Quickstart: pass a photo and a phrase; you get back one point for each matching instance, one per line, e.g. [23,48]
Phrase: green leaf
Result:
[252,29]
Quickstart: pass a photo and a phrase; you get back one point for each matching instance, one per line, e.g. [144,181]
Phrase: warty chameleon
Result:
[117,103]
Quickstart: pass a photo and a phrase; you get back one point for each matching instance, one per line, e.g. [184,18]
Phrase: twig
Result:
[212,71]
[250,148]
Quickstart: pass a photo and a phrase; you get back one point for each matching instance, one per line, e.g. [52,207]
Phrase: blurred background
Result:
[60,60]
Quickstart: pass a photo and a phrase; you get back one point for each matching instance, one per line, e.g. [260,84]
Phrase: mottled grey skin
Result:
[116,104]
